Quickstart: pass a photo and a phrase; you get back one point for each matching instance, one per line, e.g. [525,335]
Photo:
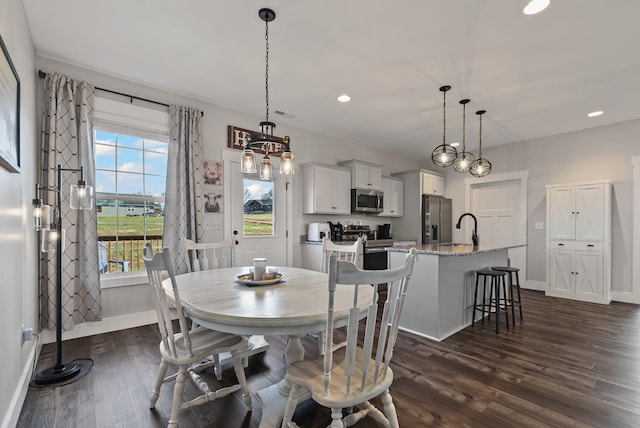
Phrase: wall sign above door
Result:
[235,140]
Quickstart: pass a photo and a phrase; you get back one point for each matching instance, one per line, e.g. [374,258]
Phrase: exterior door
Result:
[248,213]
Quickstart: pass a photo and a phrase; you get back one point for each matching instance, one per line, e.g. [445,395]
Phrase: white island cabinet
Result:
[439,300]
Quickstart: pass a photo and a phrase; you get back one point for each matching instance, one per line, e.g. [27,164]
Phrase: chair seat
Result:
[310,373]
[490,272]
[204,342]
[505,268]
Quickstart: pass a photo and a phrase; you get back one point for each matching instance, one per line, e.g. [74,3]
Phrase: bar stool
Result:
[512,284]
[497,278]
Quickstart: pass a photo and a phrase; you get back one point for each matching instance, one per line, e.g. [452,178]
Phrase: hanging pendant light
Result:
[265,139]
[465,159]
[481,166]
[445,154]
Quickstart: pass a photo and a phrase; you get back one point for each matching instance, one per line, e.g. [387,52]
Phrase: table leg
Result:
[273,399]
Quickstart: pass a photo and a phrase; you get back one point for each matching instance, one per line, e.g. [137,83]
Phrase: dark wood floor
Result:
[569,364]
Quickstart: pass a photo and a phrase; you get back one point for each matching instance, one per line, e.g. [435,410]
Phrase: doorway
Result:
[258,214]
[500,205]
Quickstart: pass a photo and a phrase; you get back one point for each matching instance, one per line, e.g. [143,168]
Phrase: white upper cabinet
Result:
[325,190]
[364,175]
[432,184]
[577,212]
[393,202]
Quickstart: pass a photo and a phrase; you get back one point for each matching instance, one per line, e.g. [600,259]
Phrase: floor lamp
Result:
[53,236]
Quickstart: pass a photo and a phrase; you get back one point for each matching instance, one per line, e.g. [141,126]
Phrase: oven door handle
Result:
[374,250]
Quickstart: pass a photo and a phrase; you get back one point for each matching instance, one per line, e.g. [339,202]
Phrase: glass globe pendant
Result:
[481,166]
[465,159]
[445,154]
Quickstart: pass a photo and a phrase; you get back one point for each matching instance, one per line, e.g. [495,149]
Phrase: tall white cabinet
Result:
[579,241]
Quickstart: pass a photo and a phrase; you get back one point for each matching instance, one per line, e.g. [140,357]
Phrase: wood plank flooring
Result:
[569,364]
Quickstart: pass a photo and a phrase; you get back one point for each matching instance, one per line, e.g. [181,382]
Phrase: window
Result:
[258,208]
[131,155]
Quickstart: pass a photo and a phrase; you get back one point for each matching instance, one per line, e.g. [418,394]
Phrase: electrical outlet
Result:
[539,225]
[27,334]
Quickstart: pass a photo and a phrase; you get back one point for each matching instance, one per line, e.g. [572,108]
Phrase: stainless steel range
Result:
[373,253]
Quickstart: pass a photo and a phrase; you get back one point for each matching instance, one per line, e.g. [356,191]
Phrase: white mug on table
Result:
[259,267]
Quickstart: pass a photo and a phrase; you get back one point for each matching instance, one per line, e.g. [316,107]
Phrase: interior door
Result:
[244,215]
[497,206]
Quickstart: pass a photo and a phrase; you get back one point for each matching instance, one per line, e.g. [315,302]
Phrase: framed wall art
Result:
[9,112]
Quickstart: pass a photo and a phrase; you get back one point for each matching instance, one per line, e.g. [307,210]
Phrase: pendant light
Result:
[481,166]
[265,139]
[445,154]
[464,159]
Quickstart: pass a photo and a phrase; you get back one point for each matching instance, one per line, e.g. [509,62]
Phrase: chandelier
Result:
[445,154]
[265,140]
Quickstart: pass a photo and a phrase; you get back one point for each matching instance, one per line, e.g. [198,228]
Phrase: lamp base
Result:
[62,374]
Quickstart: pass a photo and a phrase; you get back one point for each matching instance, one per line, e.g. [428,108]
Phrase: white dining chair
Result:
[354,374]
[214,255]
[185,347]
[347,253]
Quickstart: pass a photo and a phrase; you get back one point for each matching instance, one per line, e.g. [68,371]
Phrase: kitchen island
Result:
[439,300]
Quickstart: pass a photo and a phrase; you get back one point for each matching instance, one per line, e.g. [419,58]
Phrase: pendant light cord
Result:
[266,71]
[480,141]
[464,126]
[444,120]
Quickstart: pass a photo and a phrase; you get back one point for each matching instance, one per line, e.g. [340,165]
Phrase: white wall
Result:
[598,153]
[17,242]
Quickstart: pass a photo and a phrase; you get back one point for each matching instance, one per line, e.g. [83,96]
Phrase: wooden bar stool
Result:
[497,278]
[512,284]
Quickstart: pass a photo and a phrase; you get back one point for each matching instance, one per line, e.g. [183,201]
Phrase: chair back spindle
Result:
[347,253]
[208,255]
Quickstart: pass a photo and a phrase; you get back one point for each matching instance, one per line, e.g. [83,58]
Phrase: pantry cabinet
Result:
[325,189]
[579,241]
[432,184]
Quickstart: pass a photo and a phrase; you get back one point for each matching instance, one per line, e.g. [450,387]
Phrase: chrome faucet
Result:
[474,235]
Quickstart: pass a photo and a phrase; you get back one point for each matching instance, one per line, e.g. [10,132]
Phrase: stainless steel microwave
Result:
[366,201]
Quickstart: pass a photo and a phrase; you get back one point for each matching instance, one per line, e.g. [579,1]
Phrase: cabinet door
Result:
[589,205]
[562,213]
[375,178]
[361,176]
[588,275]
[393,198]
[432,185]
[341,189]
[323,190]
[311,256]
[438,185]
[560,269]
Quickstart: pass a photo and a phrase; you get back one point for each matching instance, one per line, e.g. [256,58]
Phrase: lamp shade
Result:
[50,239]
[286,163]
[266,169]
[81,196]
[248,162]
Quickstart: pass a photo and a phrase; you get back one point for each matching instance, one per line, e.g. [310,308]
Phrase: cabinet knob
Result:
[577,212]
[589,245]
[560,245]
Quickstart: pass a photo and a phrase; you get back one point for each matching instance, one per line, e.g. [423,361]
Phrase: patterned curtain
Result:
[184,206]
[67,140]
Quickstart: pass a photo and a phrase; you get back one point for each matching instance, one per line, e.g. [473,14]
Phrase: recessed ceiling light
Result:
[455,144]
[595,113]
[344,98]
[535,6]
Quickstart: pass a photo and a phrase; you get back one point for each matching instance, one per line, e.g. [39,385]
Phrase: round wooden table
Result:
[293,307]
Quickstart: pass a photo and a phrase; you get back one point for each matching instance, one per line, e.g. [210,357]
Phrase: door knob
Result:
[235,232]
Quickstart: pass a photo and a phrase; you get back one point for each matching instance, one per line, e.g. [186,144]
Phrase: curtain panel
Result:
[184,204]
[67,140]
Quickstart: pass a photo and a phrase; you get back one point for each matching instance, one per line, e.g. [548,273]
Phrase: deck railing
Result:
[124,253]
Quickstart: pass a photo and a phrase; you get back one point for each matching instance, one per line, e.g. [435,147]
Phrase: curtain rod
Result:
[41,75]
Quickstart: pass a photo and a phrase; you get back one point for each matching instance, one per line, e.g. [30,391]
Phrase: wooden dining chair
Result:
[214,255]
[354,374]
[185,347]
[348,253]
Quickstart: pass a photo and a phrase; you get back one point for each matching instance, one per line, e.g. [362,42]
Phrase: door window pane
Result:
[258,208]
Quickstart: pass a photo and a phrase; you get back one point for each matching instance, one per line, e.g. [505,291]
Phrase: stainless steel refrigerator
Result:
[436,219]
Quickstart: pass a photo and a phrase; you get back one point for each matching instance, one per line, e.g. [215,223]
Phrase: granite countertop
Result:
[370,242]
[450,249]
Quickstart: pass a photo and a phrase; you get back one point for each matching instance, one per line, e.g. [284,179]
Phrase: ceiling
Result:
[535,75]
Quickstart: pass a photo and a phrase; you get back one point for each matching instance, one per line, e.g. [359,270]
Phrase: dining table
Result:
[293,306]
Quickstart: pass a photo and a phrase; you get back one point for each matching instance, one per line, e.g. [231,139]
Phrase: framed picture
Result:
[213,202]
[9,113]
[213,172]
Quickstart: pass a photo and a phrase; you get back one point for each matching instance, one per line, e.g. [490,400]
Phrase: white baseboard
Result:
[20,393]
[622,296]
[105,326]
[535,285]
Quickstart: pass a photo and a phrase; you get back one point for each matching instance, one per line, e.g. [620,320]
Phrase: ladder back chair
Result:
[214,255]
[354,374]
[185,347]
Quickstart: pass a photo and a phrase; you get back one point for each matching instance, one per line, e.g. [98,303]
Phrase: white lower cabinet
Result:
[577,272]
